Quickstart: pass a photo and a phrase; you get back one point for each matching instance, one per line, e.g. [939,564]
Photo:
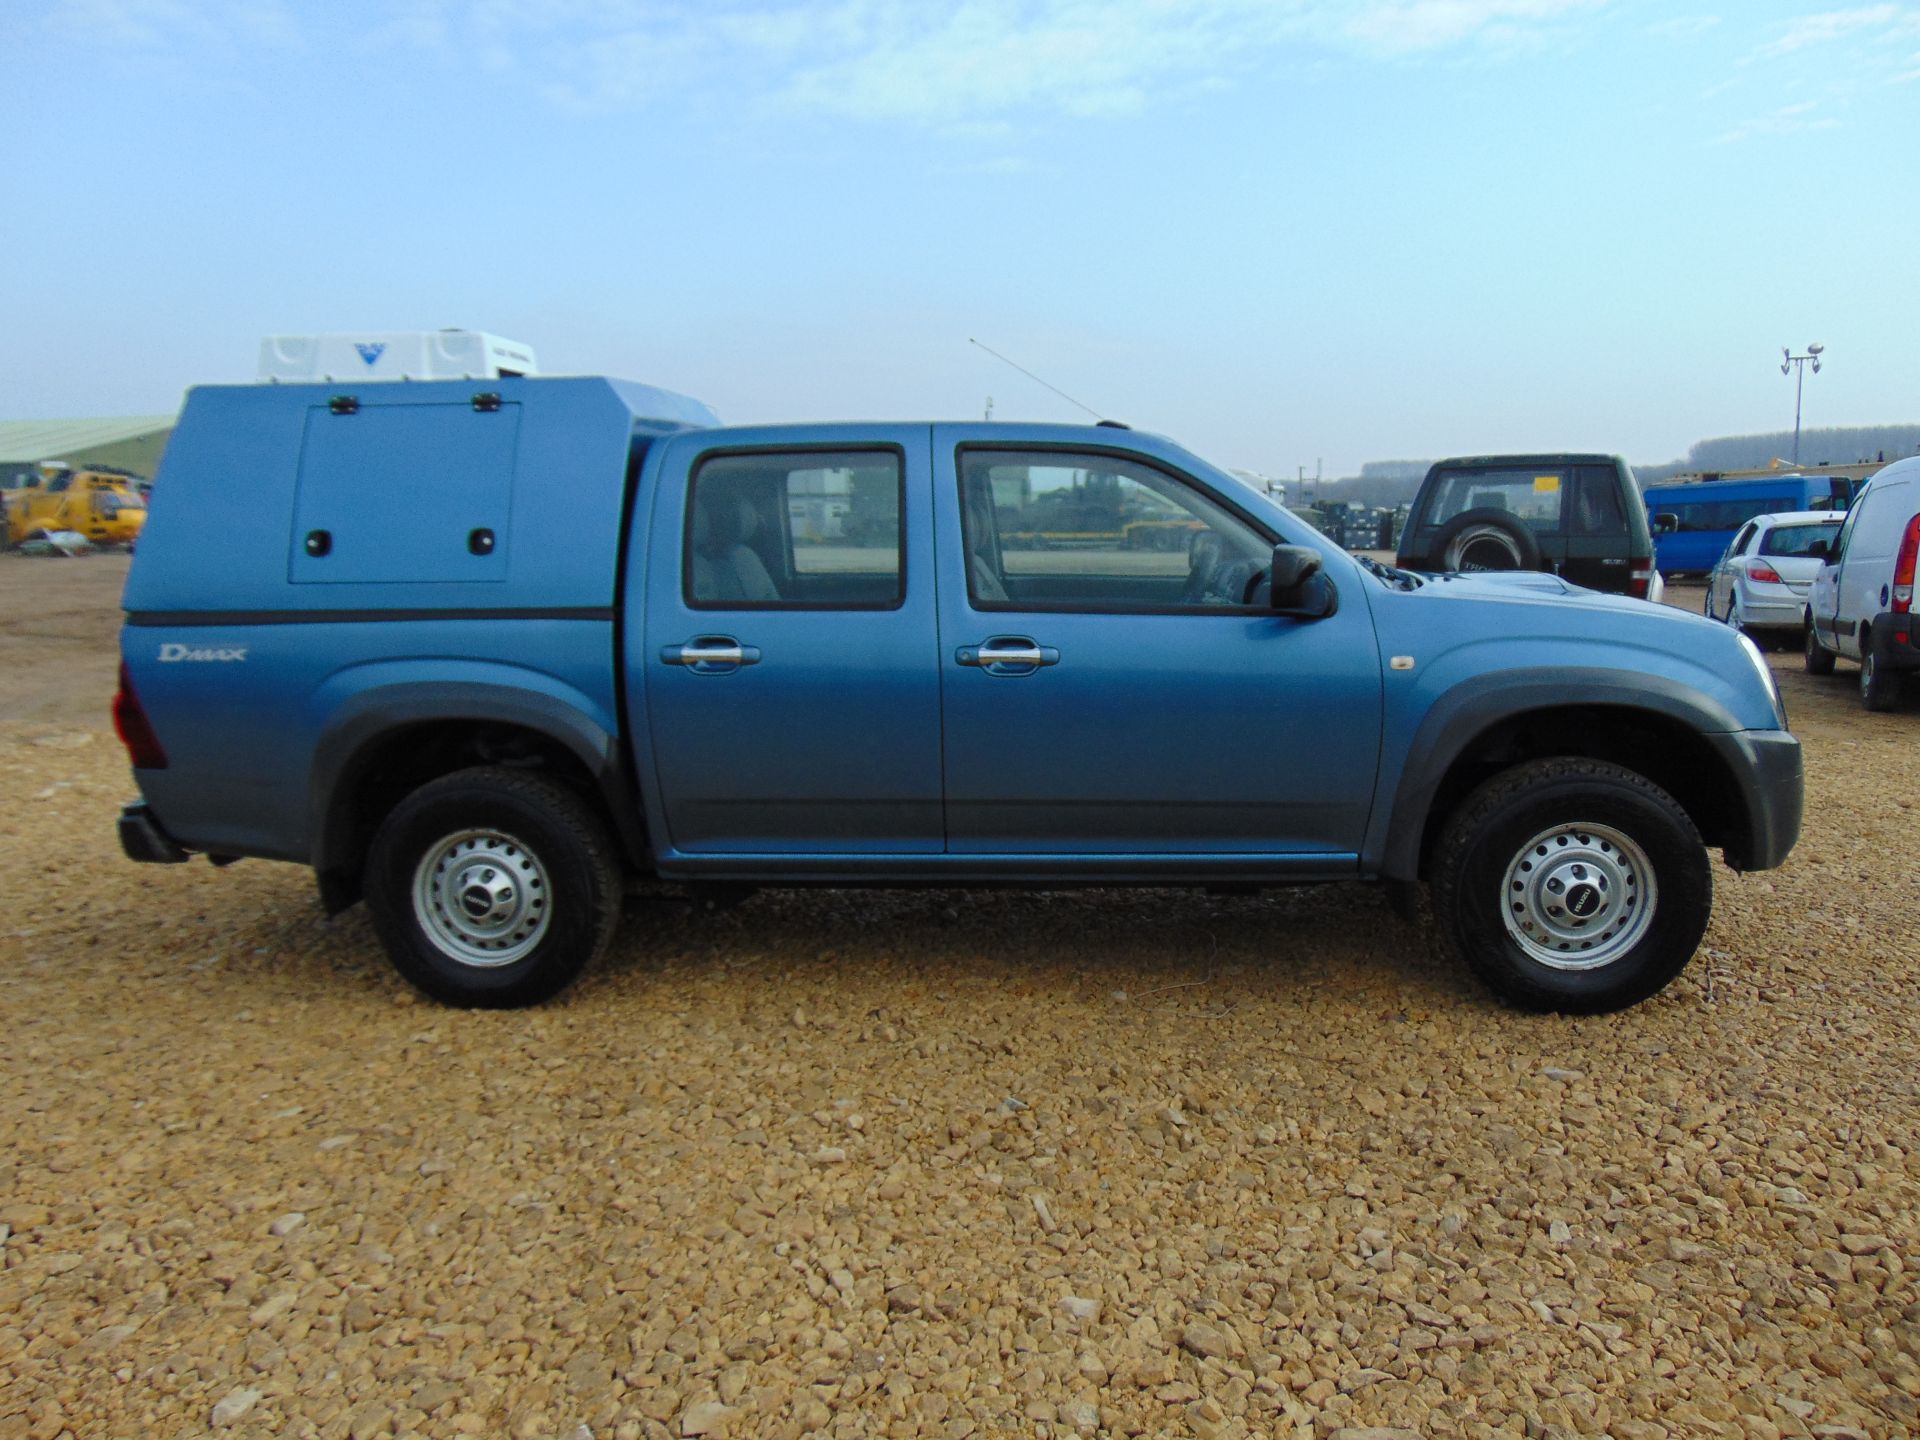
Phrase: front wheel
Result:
[1572,885]
[493,888]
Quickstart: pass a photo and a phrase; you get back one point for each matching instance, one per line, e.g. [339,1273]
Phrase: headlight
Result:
[1766,678]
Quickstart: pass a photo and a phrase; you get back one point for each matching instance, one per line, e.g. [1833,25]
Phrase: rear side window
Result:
[1533,495]
[1597,509]
[796,530]
[1794,539]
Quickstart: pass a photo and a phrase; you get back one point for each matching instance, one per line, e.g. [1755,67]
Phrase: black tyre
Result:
[1487,539]
[493,888]
[1819,658]
[1572,885]
[1880,688]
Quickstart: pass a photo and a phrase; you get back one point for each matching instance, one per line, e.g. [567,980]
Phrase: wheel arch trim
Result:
[365,719]
[1467,711]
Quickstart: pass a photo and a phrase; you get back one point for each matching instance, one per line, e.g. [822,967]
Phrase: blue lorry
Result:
[482,655]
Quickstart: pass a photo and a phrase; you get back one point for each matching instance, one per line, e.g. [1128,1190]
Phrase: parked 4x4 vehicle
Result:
[1862,600]
[1576,516]
[848,655]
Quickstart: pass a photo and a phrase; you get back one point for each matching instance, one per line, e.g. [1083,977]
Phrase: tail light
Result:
[1764,573]
[1903,568]
[130,723]
[1640,582]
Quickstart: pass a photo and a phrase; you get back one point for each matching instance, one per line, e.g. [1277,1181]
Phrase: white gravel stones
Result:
[706,1418]
[1305,1182]
[286,1224]
[235,1406]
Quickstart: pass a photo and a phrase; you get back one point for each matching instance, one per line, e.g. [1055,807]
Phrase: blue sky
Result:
[1278,230]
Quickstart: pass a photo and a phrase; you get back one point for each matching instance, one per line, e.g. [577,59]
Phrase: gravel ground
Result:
[939,1164]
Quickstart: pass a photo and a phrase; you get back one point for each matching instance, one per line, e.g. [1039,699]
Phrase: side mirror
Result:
[1666,523]
[1820,548]
[1297,585]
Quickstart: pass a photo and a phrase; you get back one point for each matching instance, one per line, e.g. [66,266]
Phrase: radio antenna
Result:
[1035,378]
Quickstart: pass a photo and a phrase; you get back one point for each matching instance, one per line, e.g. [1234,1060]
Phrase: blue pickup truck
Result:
[481,654]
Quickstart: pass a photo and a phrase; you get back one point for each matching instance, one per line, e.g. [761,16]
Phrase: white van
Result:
[1862,600]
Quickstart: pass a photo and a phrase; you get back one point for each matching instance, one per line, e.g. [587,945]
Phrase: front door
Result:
[1108,692]
[1838,591]
[787,668]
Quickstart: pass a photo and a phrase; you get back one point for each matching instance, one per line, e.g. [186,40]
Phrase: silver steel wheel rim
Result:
[482,897]
[1578,896]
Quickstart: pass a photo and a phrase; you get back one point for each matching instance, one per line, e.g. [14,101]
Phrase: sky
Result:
[1284,232]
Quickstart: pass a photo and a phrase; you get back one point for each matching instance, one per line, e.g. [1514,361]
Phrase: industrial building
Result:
[127,442]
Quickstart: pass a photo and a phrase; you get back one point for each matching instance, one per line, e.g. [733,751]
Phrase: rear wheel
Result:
[1819,658]
[493,888]
[1880,688]
[1572,885]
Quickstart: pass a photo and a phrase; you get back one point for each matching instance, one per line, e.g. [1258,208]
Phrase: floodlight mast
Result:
[1798,365]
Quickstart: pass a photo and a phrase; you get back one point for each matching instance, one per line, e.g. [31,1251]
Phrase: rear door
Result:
[785,690]
[1720,582]
[1107,693]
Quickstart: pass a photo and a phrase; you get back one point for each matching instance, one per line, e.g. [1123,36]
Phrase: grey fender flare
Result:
[1468,710]
[364,719]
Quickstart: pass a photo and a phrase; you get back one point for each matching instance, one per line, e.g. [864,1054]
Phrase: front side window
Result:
[796,530]
[1740,542]
[1847,528]
[1533,495]
[1074,531]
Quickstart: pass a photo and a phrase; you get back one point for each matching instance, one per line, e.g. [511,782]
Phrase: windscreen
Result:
[1795,539]
[1533,495]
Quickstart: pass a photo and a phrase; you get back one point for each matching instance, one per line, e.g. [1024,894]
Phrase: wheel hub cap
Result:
[1577,897]
[482,898]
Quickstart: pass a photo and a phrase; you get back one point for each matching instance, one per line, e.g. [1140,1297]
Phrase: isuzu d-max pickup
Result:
[481,654]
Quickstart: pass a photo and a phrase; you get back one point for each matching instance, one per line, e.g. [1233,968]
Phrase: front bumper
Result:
[143,838]
[1896,642]
[1767,765]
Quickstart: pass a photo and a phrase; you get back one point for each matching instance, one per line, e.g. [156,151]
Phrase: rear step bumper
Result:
[143,839]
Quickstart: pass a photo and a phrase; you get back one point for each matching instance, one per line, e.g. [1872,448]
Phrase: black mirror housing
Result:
[1297,584]
[1666,523]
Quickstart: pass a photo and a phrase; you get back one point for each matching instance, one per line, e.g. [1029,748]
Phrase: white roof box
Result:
[394,355]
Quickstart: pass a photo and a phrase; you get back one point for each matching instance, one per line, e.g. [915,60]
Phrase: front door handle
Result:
[710,655]
[1007,655]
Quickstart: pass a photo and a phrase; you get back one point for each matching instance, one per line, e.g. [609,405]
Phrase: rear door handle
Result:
[711,655]
[1007,655]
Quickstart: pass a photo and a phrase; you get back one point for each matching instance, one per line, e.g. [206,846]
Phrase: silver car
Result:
[1761,583]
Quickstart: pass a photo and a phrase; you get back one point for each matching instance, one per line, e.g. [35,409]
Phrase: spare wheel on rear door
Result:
[1487,539]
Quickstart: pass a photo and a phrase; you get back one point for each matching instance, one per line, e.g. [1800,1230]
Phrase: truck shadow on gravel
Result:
[1300,942]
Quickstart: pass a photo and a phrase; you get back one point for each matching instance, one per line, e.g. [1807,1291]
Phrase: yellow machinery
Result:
[101,506]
